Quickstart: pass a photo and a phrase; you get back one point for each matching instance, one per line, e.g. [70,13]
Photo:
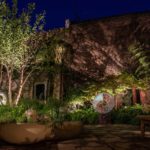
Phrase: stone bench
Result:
[145,120]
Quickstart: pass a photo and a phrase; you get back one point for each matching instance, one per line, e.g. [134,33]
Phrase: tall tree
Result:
[19,43]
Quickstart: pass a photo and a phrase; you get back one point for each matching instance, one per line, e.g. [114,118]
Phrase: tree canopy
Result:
[18,42]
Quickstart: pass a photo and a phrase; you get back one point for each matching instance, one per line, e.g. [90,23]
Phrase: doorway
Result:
[40,91]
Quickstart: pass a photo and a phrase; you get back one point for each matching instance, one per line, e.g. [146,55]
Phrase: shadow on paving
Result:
[99,137]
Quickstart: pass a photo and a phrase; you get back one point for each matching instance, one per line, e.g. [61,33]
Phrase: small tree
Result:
[19,44]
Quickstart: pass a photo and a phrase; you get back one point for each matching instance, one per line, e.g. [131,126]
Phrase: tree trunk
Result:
[134,95]
[1,75]
[19,94]
[22,83]
[10,89]
[57,86]
[20,87]
[143,96]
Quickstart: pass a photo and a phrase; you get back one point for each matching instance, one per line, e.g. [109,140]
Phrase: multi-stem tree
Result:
[19,44]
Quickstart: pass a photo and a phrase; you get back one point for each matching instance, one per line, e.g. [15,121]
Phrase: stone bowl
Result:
[25,133]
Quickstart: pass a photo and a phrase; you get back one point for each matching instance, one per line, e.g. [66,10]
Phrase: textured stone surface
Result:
[106,137]
[100,47]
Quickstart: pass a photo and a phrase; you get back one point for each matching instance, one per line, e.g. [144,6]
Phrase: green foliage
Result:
[112,85]
[15,31]
[27,104]
[19,43]
[127,115]
[55,53]
[142,56]
[5,115]
[87,116]
[55,106]
[51,109]
[9,114]
[17,113]
[122,82]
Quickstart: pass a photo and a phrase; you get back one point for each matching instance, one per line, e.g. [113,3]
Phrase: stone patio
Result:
[100,137]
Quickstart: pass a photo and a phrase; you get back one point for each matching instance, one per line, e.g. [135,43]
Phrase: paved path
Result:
[110,137]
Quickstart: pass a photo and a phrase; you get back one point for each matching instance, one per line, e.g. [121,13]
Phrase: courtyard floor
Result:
[100,137]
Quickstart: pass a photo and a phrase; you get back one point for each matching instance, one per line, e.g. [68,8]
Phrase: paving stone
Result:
[99,137]
[72,146]
[75,141]
[90,139]
[95,148]
[110,139]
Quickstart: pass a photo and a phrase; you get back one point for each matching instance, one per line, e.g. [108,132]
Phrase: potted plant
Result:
[63,128]
[25,124]
[31,121]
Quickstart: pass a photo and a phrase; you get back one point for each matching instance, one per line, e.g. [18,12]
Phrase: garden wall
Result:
[100,47]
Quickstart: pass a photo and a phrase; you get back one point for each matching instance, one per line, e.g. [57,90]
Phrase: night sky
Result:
[80,10]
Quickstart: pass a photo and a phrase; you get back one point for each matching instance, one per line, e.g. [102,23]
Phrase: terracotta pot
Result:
[68,129]
[25,133]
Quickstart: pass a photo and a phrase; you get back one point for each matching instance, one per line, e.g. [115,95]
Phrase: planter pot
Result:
[67,130]
[26,133]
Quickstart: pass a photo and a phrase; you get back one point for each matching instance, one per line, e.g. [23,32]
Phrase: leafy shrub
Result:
[87,116]
[57,108]
[27,103]
[45,112]
[5,115]
[17,113]
[127,115]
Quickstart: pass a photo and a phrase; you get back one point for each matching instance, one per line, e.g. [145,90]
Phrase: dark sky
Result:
[79,10]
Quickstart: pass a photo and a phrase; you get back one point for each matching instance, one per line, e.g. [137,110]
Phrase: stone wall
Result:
[100,48]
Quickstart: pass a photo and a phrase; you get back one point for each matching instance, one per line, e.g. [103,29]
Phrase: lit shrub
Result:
[87,116]
[127,115]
